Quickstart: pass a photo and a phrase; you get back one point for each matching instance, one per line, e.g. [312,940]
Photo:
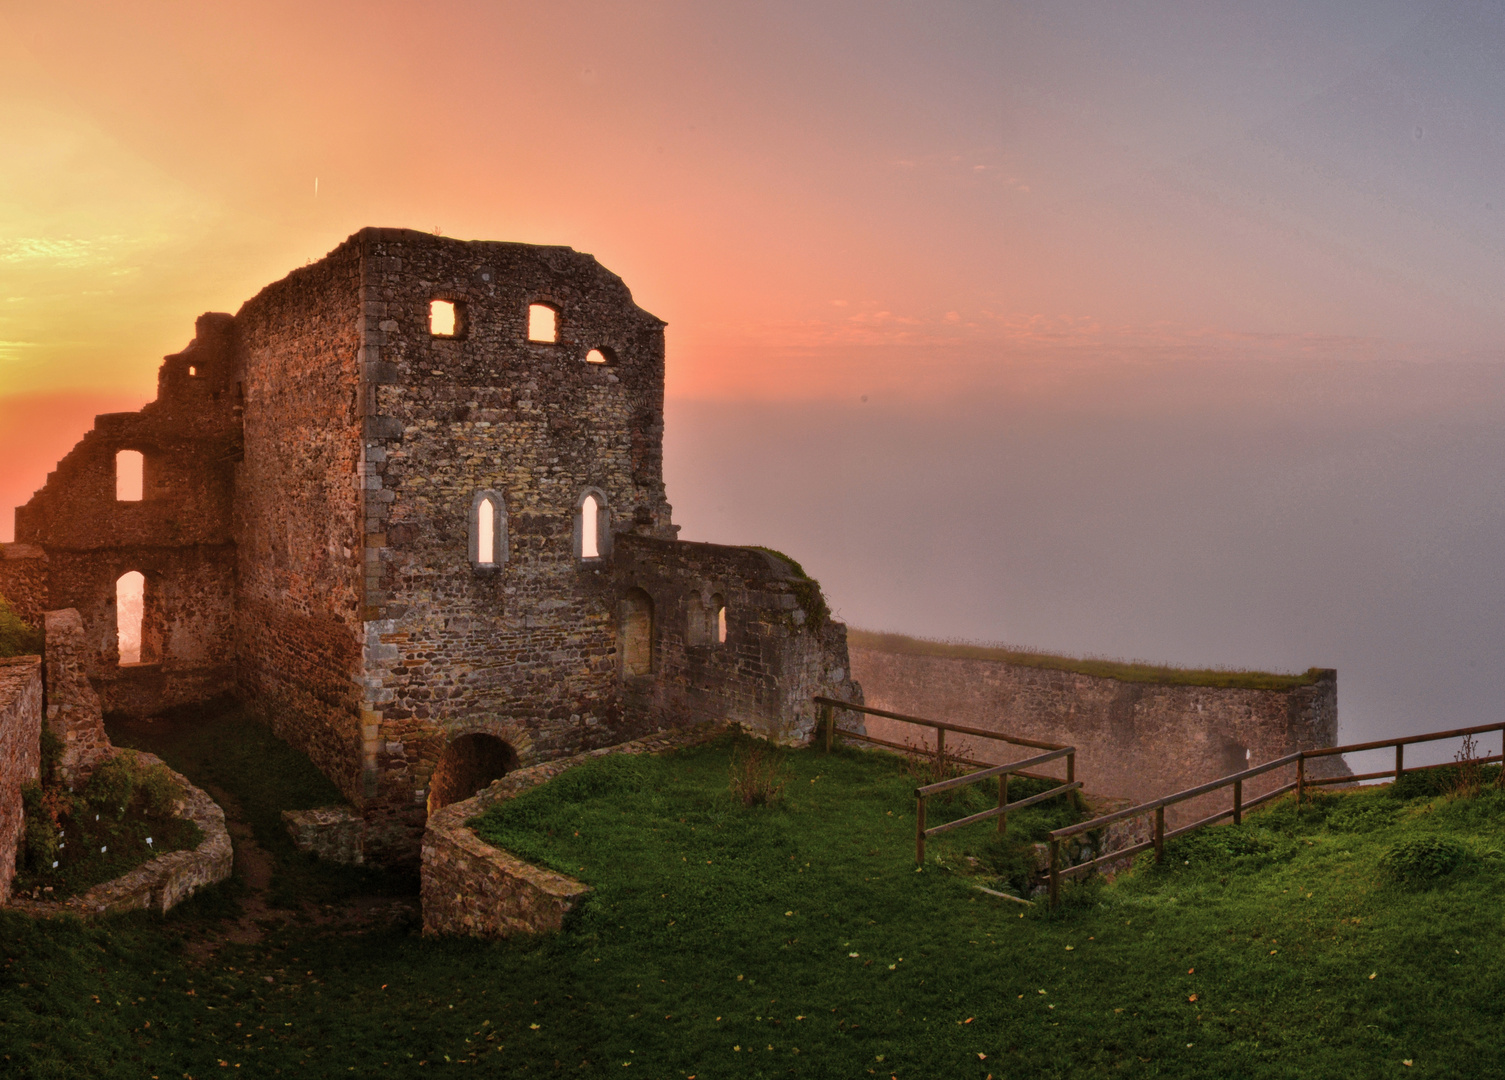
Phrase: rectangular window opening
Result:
[443,319]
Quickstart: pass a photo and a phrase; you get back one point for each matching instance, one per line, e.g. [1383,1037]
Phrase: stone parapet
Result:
[474,888]
[20,753]
[162,883]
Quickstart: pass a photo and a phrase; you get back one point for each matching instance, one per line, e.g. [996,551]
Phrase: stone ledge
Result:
[474,888]
[158,884]
[334,833]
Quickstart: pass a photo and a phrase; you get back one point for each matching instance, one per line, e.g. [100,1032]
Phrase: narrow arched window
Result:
[637,633]
[488,530]
[485,534]
[598,356]
[130,612]
[718,619]
[130,466]
[543,323]
[590,512]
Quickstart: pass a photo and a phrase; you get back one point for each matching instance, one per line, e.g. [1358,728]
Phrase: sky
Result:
[1155,330]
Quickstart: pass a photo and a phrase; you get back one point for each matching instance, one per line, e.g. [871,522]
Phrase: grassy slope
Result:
[685,952]
[1121,670]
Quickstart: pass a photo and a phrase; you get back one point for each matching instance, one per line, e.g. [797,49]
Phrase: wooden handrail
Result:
[989,773]
[1239,808]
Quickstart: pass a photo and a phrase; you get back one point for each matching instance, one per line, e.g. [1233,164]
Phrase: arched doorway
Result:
[468,764]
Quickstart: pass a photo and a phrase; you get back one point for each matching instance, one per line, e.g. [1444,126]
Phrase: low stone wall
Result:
[162,883]
[74,713]
[333,833]
[471,887]
[1136,741]
[20,753]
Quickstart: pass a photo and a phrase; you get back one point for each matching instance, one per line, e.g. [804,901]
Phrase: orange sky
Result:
[823,200]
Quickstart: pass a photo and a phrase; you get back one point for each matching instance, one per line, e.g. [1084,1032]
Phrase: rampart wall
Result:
[1134,740]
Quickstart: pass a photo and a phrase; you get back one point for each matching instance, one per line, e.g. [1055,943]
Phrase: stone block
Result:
[333,833]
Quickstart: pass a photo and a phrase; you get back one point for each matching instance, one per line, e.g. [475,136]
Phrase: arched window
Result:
[129,468]
[488,530]
[543,323]
[637,633]
[718,619]
[133,641]
[598,356]
[592,526]
[468,764]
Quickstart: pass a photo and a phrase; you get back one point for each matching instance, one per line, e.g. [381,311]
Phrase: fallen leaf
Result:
[1373,974]
[1192,998]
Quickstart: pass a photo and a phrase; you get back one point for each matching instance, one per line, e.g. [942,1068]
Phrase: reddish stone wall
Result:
[1134,740]
[298,511]
[23,580]
[20,753]
[775,658]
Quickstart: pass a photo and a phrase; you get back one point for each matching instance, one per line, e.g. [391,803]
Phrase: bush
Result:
[124,781]
[1417,862]
[17,637]
[757,775]
[40,841]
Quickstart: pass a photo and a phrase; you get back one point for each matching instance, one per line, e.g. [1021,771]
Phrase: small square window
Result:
[543,323]
[444,319]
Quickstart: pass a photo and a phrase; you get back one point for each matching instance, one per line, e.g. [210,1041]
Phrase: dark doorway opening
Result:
[467,765]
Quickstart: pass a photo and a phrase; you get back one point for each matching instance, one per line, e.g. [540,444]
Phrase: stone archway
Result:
[468,764]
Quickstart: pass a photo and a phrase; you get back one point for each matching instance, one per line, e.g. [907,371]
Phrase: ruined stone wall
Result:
[299,509]
[20,753]
[23,580]
[177,535]
[523,649]
[776,657]
[73,708]
[1134,740]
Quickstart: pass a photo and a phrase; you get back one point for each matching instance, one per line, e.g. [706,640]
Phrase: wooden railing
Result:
[1240,807]
[1054,751]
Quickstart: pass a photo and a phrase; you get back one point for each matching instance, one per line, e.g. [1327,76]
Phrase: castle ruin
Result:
[410,501]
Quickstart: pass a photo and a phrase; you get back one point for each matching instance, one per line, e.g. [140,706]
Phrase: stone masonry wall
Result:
[525,649]
[776,656]
[20,753]
[177,535]
[1134,740]
[298,511]
[23,580]
[73,708]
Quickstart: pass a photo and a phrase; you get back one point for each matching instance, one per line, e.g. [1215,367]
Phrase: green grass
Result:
[17,637]
[1121,670]
[717,931]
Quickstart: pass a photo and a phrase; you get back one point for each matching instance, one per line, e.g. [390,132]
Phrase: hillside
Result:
[799,940]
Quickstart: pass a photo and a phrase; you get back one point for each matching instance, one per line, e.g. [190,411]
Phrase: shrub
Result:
[40,841]
[1417,862]
[758,776]
[17,637]
[125,780]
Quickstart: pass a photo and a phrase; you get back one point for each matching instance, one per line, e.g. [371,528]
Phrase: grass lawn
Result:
[798,940]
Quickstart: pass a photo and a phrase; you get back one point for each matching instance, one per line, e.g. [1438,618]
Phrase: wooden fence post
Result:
[1238,802]
[828,715]
[940,753]
[919,833]
[1159,834]
[1055,879]
[1300,780]
[1400,760]
[1071,767]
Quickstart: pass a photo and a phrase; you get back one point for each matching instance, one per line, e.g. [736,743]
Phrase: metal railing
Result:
[1054,751]
[1240,807]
